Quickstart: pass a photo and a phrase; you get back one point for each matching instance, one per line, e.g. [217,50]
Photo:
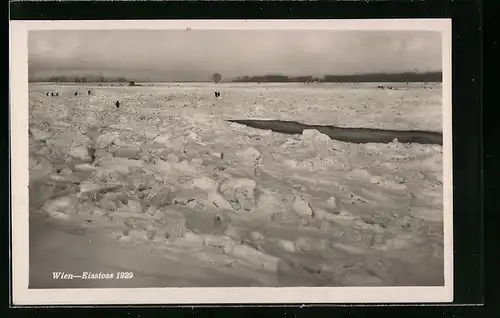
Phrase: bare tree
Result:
[216,77]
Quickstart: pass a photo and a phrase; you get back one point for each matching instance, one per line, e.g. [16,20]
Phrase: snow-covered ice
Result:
[212,203]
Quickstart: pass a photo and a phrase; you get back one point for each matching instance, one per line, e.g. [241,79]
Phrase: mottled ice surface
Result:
[176,194]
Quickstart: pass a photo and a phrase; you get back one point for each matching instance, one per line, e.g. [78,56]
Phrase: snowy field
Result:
[181,197]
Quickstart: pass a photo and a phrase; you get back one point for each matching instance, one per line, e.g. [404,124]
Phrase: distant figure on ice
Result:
[89,92]
[47,94]
[57,93]
[117,104]
[76,93]
[51,94]
[217,94]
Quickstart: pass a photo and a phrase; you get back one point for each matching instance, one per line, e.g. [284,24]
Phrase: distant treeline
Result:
[397,77]
[273,78]
[277,79]
[378,77]
[80,79]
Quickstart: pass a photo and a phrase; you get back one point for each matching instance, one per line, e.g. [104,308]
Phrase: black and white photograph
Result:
[230,161]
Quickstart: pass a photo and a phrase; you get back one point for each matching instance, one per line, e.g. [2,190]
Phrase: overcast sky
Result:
[195,55]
